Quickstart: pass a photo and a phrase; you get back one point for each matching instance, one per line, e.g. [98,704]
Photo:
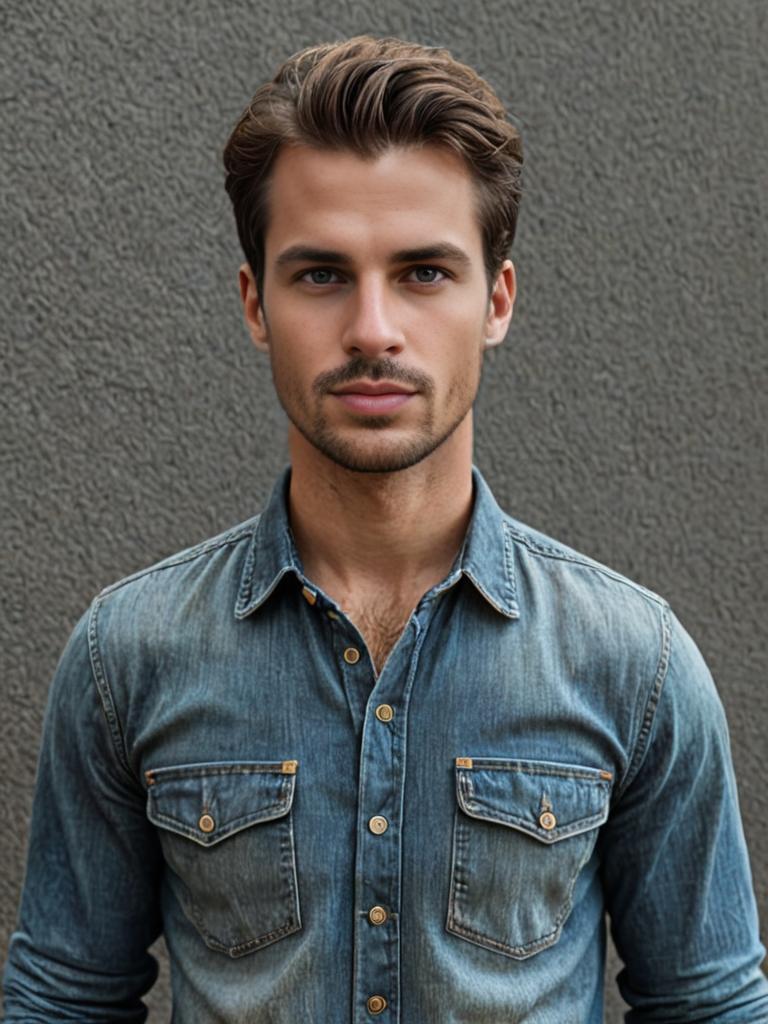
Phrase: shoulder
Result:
[212,565]
[562,565]
[601,619]
[609,628]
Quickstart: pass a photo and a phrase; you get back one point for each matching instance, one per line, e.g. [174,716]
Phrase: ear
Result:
[253,312]
[500,305]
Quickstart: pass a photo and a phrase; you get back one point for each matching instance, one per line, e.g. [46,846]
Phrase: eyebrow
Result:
[435,251]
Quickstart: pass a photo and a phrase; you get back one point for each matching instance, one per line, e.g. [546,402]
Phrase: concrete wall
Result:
[625,414]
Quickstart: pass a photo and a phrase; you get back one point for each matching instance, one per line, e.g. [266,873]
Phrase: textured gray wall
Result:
[625,415]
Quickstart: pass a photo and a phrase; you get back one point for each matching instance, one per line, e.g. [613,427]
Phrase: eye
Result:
[318,275]
[321,276]
[420,271]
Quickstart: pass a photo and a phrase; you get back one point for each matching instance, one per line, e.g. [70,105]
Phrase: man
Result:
[382,751]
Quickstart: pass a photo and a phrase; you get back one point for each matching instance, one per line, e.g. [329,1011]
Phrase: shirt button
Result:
[376,1004]
[351,655]
[547,821]
[377,915]
[384,712]
[378,825]
[206,823]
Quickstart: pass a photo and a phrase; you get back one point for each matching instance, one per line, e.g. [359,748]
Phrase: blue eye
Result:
[428,270]
[325,275]
[322,271]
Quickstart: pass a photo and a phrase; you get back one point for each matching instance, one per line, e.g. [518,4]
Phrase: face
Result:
[376,310]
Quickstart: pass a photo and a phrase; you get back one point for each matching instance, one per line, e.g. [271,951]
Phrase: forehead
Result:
[405,196]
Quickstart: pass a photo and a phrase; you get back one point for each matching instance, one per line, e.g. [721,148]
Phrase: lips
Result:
[374,398]
[384,387]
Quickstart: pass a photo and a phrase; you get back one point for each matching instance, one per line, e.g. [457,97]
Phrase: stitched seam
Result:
[396,961]
[512,766]
[262,940]
[511,610]
[104,691]
[510,562]
[205,548]
[270,813]
[203,771]
[524,825]
[494,604]
[585,562]
[246,606]
[654,696]
[518,951]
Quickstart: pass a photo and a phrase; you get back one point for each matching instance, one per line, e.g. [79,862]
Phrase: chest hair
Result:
[381,620]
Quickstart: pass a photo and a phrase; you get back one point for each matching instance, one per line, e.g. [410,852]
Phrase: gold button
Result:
[378,825]
[377,915]
[351,655]
[206,823]
[547,820]
[309,595]
[376,1004]
[384,712]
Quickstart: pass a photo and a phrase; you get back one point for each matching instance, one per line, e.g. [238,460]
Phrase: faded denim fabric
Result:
[543,745]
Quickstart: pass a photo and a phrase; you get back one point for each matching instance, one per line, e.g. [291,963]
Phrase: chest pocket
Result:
[226,830]
[522,832]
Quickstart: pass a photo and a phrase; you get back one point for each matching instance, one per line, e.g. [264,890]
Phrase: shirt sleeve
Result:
[675,867]
[90,906]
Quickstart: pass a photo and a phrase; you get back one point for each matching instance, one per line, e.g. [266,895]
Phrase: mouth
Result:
[373,398]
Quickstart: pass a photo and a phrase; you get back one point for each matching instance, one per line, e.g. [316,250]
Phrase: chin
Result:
[376,457]
[371,447]
[374,462]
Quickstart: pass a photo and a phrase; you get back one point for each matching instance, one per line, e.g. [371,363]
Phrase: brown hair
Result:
[365,95]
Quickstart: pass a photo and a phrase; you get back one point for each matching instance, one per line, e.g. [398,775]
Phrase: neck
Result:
[357,532]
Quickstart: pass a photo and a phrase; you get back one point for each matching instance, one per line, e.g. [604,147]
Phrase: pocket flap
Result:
[208,802]
[548,800]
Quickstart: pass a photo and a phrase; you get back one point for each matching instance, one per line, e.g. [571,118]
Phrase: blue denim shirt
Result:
[438,845]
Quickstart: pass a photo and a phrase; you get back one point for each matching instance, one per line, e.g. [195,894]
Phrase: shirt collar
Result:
[486,557]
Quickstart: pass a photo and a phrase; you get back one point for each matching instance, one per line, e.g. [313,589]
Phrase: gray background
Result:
[624,415]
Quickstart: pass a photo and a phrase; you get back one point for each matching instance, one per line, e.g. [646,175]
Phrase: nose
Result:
[372,329]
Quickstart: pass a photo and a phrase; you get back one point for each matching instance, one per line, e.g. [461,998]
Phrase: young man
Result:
[382,751]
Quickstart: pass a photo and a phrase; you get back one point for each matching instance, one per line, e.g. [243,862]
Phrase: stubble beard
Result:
[392,457]
[383,458]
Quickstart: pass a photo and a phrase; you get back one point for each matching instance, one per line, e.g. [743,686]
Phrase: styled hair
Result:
[365,95]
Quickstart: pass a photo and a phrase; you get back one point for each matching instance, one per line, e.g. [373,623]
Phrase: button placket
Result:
[377,868]
[354,667]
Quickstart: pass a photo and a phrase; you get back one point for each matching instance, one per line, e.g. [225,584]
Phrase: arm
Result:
[675,867]
[90,906]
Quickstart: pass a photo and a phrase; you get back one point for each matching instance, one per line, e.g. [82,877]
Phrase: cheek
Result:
[463,378]
[302,342]
[283,367]
[297,314]
[294,371]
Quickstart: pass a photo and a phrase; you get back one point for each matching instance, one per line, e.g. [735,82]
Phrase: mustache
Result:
[359,368]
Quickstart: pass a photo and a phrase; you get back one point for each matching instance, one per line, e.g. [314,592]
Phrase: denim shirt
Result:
[436,845]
